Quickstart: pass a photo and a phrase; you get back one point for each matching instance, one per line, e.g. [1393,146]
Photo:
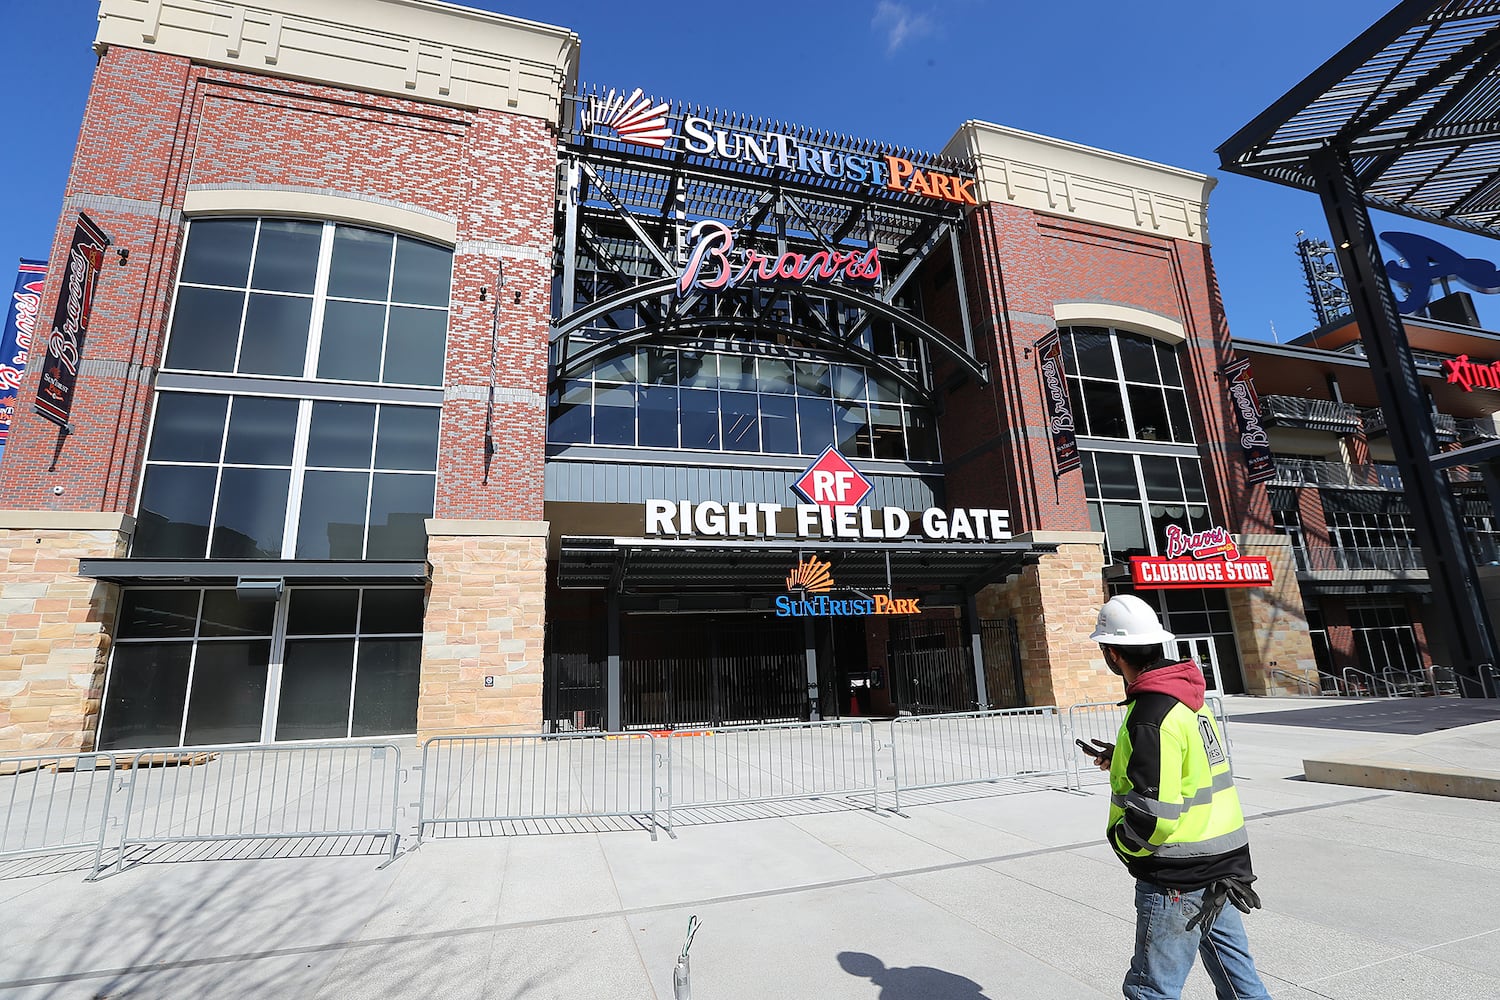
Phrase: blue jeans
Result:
[1165,948]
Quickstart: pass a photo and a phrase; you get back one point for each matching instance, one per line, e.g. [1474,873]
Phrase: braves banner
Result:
[1254,443]
[70,322]
[16,337]
[1049,363]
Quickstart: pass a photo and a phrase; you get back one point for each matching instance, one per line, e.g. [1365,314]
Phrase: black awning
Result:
[211,572]
[671,566]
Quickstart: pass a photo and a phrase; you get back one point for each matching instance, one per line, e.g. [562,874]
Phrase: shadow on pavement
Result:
[914,982]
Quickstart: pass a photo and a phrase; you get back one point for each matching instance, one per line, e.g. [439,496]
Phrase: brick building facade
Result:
[334,468]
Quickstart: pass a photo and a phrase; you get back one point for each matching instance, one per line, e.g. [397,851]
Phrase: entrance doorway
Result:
[1201,649]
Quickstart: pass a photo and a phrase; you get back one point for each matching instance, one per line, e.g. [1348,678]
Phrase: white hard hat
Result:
[1126,620]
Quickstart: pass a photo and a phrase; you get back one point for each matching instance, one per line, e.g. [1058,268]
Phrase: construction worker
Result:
[1174,816]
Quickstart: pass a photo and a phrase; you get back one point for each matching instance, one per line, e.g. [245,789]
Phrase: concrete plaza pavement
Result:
[998,891]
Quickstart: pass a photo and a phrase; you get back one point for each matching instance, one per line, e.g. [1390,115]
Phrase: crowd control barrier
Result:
[468,780]
[54,804]
[279,792]
[939,751]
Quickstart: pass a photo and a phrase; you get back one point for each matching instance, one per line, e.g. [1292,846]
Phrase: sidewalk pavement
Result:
[997,891]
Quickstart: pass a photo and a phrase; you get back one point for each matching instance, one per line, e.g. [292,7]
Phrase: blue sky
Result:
[1167,80]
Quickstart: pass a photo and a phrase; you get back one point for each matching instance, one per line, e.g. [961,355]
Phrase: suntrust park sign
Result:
[637,119]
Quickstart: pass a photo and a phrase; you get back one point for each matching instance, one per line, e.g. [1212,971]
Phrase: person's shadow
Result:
[916,982]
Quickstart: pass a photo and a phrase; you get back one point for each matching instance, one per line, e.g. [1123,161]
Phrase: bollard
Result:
[681,988]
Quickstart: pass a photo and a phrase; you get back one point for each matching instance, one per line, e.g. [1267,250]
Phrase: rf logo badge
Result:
[832,482]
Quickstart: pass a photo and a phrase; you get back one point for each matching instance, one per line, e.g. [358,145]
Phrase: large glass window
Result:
[312,300]
[263,477]
[193,667]
[667,397]
[1125,385]
[1133,499]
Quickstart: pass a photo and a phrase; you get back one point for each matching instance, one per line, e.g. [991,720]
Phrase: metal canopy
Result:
[625,208]
[672,566]
[1415,104]
[211,572]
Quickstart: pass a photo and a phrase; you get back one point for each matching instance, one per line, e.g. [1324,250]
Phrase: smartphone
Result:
[1093,751]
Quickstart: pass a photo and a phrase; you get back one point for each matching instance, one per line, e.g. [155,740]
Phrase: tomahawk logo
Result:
[832,482]
[629,119]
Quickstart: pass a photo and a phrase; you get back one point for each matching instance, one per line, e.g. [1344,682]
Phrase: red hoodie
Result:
[1183,681]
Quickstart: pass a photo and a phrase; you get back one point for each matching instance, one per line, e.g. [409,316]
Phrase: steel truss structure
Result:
[625,210]
[1406,118]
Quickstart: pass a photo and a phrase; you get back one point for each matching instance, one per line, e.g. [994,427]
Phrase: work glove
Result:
[1236,891]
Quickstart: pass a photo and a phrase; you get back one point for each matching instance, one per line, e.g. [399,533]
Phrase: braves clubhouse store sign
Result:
[833,490]
[1200,559]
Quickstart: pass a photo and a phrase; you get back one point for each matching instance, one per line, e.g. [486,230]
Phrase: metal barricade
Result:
[559,776]
[963,748]
[739,765]
[282,792]
[54,803]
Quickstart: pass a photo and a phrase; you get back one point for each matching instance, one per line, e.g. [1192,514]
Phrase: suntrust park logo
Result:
[637,119]
[812,579]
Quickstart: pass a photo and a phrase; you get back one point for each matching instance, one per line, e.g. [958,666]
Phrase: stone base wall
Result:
[1270,624]
[1056,603]
[55,626]
[485,614]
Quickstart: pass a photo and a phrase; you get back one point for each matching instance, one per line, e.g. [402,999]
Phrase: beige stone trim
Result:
[65,520]
[1061,538]
[310,205]
[1080,182]
[408,48]
[1154,325]
[511,529]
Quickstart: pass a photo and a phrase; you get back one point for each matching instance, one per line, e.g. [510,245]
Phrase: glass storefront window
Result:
[200,666]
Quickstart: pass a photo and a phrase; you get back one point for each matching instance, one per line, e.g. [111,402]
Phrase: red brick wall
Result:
[1018,266]
[155,124]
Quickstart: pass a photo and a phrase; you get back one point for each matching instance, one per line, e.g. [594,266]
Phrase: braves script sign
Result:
[1199,559]
[1049,363]
[1254,443]
[17,337]
[70,323]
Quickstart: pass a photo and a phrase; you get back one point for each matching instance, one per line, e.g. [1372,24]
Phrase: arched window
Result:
[1125,385]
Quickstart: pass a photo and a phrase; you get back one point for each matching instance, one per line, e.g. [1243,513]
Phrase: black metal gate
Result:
[682,670]
[573,688]
[1002,663]
[931,666]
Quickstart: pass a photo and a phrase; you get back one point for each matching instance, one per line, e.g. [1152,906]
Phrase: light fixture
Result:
[253,589]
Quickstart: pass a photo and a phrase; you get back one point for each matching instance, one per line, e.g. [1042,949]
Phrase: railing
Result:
[1333,559]
[476,780]
[1443,424]
[282,792]
[940,751]
[743,765]
[1318,414]
[1312,472]
[1300,681]
[1371,683]
[54,804]
[1472,429]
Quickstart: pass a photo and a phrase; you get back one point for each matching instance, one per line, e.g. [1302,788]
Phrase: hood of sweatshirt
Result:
[1183,681]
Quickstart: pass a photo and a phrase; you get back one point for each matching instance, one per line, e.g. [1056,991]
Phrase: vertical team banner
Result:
[1254,442]
[1049,364]
[70,323]
[16,337]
